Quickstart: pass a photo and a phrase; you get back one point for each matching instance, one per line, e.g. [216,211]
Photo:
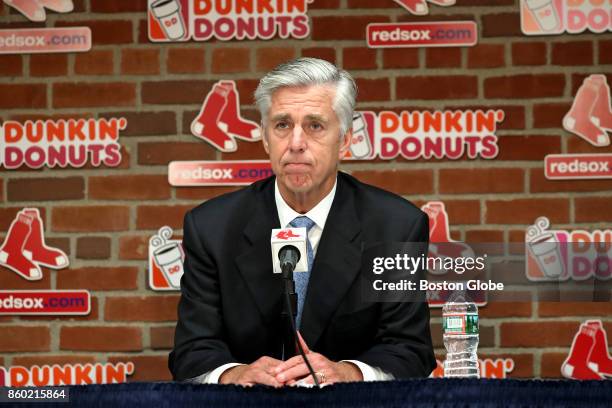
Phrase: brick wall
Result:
[102,217]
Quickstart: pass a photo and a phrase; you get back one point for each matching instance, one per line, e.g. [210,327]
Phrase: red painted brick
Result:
[369,4]
[90,218]
[550,366]
[45,65]
[230,60]
[525,86]
[462,211]
[11,65]
[147,368]
[572,53]
[605,51]
[176,92]
[93,248]
[401,58]
[144,123]
[592,209]
[8,214]
[162,337]
[540,184]
[489,181]
[525,210]
[373,89]
[437,87]
[402,182]
[161,153]
[562,309]
[45,359]
[342,28]
[541,334]
[15,96]
[529,53]
[24,338]
[203,193]
[124,6]
[81,94]
[505,309]
[154,217]
[486,56]
[94,338]
[443,57]
[326,53]
[129,187]
[268,58]
[135,61]
[501,25]
[186,60]
[106,32]
[513,147]
[549,115]
[141,309]
[134,247]
[46,189]
[95,62]
[358,58]
[247,151]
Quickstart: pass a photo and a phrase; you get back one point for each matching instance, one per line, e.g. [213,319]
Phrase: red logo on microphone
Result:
[286,235]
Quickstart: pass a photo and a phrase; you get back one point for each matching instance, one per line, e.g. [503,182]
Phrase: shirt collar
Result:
[318,213]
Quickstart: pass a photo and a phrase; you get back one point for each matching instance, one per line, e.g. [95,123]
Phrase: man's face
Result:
[302,137]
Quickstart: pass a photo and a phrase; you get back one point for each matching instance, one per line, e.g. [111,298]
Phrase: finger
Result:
[285,365]
[303,343]
[261,377]
[293,373]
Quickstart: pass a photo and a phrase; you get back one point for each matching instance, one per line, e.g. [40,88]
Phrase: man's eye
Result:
[316,126]
[282,125]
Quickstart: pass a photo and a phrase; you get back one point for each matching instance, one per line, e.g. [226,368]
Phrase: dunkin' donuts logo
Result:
[425,135]
[61,143]
[166,259]
[68,374]
[549,17]
[203,20]
[420,7]
[498,368]
[559,255]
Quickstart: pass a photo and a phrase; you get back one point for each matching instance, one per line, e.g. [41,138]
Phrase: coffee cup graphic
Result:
[360,144]
[168,14]
[544,13]
[168,256]
[545,249]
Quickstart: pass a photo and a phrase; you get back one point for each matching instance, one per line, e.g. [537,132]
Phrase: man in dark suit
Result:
[229,327]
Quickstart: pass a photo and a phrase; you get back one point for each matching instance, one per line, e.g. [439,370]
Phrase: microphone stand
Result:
[289,314]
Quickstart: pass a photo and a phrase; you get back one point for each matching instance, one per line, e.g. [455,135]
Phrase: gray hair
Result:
[307,72]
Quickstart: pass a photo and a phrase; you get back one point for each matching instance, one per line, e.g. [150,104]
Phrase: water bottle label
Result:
[460,323]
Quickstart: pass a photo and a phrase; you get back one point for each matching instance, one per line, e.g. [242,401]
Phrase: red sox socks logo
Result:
[34,10]
[24,250]
[439,233]
[419,7]
[219,121]
[591,113]
[588,358]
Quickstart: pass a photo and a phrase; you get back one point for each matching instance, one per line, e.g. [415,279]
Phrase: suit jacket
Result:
[231,301]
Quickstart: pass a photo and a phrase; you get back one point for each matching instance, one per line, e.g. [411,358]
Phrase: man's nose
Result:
[298,139]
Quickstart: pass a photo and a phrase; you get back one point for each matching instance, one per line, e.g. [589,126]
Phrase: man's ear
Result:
[345,143]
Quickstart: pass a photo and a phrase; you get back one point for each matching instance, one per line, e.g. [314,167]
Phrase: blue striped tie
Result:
[301,278]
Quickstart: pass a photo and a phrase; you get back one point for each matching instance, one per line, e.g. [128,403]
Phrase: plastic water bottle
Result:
[460,325]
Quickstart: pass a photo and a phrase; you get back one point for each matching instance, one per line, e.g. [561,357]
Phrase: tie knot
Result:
[302,222]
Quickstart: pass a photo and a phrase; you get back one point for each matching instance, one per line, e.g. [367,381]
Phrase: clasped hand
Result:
[276,373]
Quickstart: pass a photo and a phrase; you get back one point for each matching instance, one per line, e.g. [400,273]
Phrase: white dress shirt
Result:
[318,214]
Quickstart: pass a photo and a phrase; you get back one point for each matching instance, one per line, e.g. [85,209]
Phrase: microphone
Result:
[288,257]
[288,245]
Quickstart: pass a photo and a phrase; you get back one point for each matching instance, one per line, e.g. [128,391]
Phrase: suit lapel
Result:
[336,265]
[255,255]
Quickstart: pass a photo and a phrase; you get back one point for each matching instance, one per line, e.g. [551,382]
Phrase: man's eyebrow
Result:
[319,118]
[280,116]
